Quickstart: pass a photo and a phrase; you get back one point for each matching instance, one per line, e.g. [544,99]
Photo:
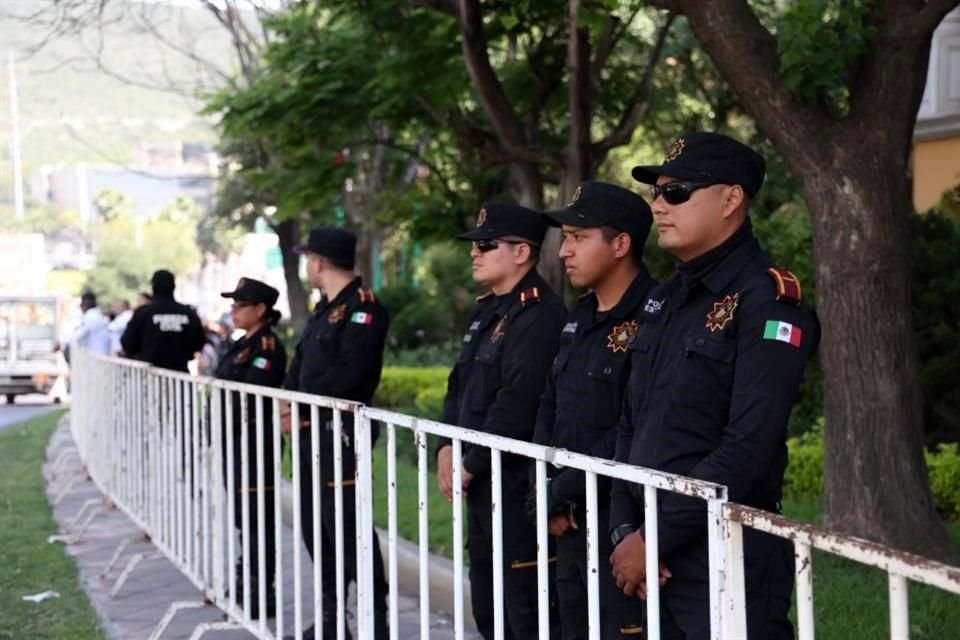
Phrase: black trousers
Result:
[519,561]
[620,616]
[769,565]
[328,529]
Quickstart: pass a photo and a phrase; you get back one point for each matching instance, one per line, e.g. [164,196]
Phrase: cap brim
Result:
[571,218]
[649,175]
[228,294]
[479,234]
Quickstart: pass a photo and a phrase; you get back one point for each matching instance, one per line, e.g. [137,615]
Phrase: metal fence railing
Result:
[160,446]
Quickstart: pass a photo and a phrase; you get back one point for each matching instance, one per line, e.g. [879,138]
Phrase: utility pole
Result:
[15,144]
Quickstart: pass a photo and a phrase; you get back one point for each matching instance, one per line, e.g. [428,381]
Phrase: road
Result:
[25,408]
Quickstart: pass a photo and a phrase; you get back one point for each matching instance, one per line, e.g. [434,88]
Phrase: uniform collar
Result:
[718,267]
[633,296]
[352,287]
[530,280]
[252,337]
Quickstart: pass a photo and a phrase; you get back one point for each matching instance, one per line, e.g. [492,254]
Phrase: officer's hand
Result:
[558,524]
[664,576]
[629,564]
[284,416]
[445,472]
[467,478]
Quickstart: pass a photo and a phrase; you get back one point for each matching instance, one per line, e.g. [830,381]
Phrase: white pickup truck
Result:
[28,337]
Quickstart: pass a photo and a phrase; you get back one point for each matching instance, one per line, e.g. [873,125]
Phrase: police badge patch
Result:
[498,330]
[336,316]
[621,335]
[242,357]
[722,313]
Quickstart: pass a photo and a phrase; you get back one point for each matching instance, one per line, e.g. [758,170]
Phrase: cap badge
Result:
[576,196]
[336,316]
[481,217]
[675,150]
[722,313]
[621,335]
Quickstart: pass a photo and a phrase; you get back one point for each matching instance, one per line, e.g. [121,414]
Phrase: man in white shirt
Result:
[93,334]
[119,323]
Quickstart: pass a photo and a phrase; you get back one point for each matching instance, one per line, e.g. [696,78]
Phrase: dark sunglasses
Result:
[240,304]
[677,192]
[484,246]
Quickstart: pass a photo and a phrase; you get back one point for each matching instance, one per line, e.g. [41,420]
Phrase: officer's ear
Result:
[735,201]
[622,245]
[523,253]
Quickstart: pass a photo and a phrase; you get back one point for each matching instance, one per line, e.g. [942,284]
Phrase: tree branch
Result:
[640,102]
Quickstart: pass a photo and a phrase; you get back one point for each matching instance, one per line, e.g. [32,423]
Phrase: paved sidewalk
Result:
[155,583]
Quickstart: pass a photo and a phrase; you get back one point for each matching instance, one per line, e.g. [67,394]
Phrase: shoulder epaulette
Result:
[267,343]
[529,295]
[788,286]
[485,296]
[366,295]
[585,296]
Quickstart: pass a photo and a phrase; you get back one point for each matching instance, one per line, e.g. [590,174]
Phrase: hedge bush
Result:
[804,477]
[401,386]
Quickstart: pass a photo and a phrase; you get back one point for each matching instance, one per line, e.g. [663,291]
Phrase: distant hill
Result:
[72,111]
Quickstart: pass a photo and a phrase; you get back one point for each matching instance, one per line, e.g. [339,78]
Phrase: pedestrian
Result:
[258,358]
[604,231]
[717,364]
[340,354]
[494,387]
[93,333]
[121,318]
[164,332]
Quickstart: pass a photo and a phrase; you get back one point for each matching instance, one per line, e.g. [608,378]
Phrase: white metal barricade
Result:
[160,445]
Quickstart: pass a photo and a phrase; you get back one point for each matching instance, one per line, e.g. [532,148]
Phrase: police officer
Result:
[494,387]
[256,358]
[164,332]
[717,365]
[604,230]
[340,354]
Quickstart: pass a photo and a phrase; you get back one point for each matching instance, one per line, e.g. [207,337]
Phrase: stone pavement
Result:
[138,607]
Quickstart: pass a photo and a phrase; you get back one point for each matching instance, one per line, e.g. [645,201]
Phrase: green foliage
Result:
[943,465]
[401,387]
[30,564]
[936,318]
[821,43]
[803,480]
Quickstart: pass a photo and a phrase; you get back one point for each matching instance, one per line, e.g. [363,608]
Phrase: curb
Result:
[441,574]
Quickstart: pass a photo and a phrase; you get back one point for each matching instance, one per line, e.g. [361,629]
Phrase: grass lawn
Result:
[850,599]
[28,564]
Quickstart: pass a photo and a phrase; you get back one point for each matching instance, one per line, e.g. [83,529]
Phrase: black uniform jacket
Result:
[716,367]
[340,353]
[259,359]
[164,333]
[504,359]
[584,391]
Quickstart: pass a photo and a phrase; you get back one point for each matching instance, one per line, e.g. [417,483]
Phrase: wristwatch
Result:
[621,532]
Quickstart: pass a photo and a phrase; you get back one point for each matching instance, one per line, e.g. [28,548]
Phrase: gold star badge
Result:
[336,316]
[621,335]
[481,217]
[722,313]
[675,150]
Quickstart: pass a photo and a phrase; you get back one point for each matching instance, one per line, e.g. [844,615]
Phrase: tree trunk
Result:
[873,400]
[288,235]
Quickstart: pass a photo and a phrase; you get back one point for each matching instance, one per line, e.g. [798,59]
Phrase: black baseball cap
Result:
[708,157]
[599,204]
[250,290]
[499,220]
[333,243]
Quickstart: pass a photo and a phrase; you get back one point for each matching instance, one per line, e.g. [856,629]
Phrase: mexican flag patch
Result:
[362,317]
[261,363]
[782,331]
